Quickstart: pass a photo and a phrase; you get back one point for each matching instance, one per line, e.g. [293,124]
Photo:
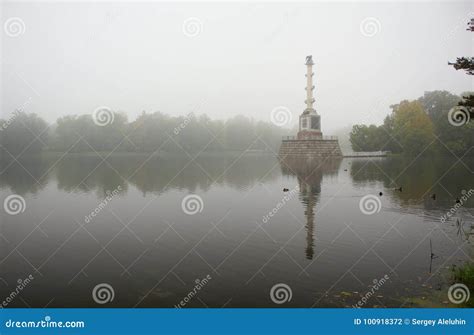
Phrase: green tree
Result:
[390,142]
[22,134]
[357,137]
[81,134]
[412,127]
[368,138]
[466,64]
[437,104]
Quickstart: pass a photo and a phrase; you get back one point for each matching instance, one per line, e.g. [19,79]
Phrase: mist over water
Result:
[142,164]
[231,58]
[318,242]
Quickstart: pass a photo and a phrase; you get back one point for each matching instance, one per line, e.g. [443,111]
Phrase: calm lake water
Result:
[242,232]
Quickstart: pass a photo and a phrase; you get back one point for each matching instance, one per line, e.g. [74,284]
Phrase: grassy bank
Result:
[465,275]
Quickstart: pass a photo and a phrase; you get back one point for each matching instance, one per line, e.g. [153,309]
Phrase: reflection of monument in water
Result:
[309,173]
[309,156]
[310,141]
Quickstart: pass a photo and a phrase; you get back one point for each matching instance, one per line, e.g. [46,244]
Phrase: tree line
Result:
[434,123]
[27,133]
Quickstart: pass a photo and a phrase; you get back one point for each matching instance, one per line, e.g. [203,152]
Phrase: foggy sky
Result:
[247,59]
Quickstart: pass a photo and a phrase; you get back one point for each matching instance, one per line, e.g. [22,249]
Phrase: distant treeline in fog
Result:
[108,131]
[425,125]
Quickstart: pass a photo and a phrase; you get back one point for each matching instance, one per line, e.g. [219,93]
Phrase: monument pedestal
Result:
[309,135]
[309,142]
[317,148]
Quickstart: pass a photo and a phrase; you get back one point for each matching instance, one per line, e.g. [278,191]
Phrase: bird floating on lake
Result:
[380,193]
[285,190]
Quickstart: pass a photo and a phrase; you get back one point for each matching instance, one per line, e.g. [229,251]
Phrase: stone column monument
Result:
[309,141]
[310,121]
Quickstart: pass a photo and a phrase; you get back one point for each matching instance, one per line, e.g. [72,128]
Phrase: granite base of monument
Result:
[315,148]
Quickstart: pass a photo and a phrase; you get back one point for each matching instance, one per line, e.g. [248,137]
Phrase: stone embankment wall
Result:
[310,148]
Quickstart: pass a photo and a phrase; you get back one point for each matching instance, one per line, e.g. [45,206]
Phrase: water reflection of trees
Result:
[89,173]
[182,173]
[420,178]
[26,175]
[309,173]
